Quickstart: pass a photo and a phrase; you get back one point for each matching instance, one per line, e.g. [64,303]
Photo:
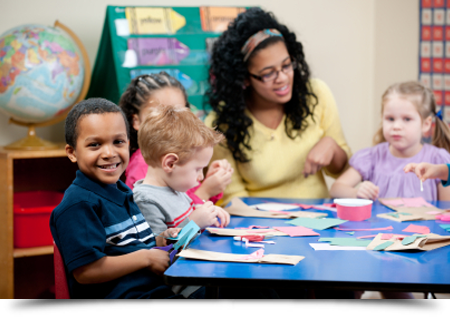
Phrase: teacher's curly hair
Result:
[228,71]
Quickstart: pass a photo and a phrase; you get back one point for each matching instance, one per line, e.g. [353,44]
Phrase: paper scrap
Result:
[394,202]
[410,239]
[366,237]
[443,217]
[346,242]
[370,229]
[383,245]
[415,202]
[433,212]
[386,236]
[298,231]
[446,227]
[417,229]
[188,233]
[318,224]
[131,59]
[351,233]
[328,247]
[122,28]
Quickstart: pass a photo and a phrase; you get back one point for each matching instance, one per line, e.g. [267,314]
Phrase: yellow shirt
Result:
[277,161]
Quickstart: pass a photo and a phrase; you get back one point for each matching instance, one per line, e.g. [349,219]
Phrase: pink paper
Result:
[255,227]
[331,205]
[303,206]
[369,236]
[394,202]
[255,255]
[443,217]
[417,229]
[415,202]
[396,236]
[433,212]
[386,236]
[344,229]
[298,231]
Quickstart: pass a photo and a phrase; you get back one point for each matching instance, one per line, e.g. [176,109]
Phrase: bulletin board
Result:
[434,51]
[142,40]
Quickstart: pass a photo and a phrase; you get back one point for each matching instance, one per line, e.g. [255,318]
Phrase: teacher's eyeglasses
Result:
[271,76]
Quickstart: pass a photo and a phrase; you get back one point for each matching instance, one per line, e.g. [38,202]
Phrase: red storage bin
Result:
[32,211]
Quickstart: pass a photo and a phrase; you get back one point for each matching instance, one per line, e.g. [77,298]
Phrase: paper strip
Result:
[350,242]
[328,247]
[348,229]
[297,231]
[383,245]
[318,224]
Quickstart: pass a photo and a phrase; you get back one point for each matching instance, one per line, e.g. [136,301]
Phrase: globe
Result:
[42,74]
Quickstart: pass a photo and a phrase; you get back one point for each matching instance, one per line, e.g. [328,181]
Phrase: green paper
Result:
[383,245]
[318,224]
[409,240]
[351,233]
[405,214]
[346,242]
[446,227]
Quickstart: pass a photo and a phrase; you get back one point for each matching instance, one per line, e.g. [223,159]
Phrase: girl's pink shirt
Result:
[137,170]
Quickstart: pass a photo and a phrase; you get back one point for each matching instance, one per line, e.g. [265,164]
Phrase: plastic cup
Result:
[353,209]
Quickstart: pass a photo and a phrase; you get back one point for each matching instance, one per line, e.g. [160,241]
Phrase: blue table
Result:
[426,271]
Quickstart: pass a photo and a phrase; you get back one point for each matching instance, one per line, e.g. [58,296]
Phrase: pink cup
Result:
[353,209]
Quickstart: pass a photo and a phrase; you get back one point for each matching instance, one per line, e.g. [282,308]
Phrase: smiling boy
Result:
[102,236]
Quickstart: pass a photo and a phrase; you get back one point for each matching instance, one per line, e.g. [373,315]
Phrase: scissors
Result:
[168,248]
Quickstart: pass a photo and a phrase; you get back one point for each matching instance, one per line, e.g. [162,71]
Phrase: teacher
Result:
[282,128]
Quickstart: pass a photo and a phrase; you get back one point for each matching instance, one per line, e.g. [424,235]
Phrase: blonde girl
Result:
[408,112]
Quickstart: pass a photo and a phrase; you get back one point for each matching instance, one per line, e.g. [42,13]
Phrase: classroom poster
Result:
[434,51]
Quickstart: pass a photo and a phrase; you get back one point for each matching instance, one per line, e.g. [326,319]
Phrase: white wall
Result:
[357,47]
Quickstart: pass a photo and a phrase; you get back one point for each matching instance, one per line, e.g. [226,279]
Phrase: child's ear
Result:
[168,162]
[426,125]
[136,122]
[70,151]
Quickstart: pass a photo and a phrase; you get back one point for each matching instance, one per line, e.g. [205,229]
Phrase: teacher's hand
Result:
[320,156]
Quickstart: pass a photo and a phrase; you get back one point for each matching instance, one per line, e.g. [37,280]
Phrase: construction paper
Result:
[346,242]
[351,233]
[383,245]
[370,229]
[443,217]
[367,237]
[415,202]
[426,242]
[328,247]
[408,209]
[417,229]
[188,233]
[386,236]
[232,257]
[297,231]
[238,208]
[410,239]
[446,227]
[318,224]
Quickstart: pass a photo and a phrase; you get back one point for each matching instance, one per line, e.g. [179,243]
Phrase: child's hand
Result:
[367,190]
[158,261]
[216,183]
[426,171]
[218,164]
[205,215]
[224,217]
[161,240]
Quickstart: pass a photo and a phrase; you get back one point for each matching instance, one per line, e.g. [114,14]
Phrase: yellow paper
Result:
[143,20]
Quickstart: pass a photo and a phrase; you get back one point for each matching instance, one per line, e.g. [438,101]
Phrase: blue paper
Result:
[186,234]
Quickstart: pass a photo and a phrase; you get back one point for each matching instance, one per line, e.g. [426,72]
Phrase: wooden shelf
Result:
[21,171]
[30,252]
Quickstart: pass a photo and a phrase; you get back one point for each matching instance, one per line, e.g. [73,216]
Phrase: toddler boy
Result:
[176,146]
[103,238]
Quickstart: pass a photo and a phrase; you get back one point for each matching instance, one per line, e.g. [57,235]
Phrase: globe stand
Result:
[31,142]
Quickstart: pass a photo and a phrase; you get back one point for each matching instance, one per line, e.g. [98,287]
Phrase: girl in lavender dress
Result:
[408,111]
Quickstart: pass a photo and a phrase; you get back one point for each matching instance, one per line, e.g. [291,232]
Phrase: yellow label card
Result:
[216,19]
[154,20]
